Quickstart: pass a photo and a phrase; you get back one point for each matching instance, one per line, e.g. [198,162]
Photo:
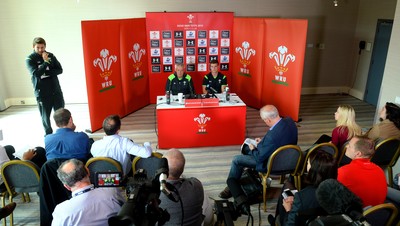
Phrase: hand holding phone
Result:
[287,192]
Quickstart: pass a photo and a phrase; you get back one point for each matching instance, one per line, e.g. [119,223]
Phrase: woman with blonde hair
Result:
[346,127]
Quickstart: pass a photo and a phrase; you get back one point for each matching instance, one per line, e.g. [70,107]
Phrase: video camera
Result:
[142,205]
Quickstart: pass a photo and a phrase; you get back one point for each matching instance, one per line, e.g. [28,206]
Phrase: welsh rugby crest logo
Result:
[245,53]
[202,123]
[104,62]
[282,58]
[136,56]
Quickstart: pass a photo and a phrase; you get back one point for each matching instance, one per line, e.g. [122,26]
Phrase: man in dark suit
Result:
[282,131]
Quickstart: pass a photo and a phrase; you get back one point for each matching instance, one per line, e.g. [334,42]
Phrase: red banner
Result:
[101,49]
[135,78]
[116,67]
[247,58]
[268,62]
[283,64]
[189,38]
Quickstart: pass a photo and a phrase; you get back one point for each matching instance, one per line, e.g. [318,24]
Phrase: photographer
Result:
[191,193]
[88,206]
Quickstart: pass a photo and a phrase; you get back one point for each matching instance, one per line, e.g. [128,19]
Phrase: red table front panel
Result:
[201,127]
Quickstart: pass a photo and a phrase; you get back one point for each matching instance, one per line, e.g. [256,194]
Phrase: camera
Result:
[141,207]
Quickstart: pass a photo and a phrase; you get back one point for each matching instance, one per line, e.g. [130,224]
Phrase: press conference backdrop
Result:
[127,61]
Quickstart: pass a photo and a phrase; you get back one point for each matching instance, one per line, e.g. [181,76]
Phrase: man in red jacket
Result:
[361,176]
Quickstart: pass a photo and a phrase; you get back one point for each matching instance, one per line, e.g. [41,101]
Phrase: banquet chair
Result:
[102,164]
[386,154]
[284,160]
[327,147]
[150,164]
[381,215]
[20,177]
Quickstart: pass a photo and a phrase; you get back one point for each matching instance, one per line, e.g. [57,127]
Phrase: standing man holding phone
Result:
[44,69]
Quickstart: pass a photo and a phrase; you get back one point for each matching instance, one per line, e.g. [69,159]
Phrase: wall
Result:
[391,78]
[369,13]
[326,70]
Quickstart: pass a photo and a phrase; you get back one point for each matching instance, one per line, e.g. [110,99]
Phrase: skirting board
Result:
[304,91]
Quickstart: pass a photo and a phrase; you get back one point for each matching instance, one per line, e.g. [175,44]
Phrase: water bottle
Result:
[168,97]
[227,94]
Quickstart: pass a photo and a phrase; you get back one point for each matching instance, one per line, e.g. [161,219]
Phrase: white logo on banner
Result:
[136,56]
[245,53]
[202,122]
[282,58]
[190,17]
[104,63]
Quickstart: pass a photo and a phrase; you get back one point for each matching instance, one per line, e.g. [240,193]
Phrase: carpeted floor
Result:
[21,128]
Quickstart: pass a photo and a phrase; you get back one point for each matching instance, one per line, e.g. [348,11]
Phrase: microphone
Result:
[215,91]
[165,187]
[335,198]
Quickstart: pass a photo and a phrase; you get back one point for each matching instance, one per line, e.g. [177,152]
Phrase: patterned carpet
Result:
[21,127]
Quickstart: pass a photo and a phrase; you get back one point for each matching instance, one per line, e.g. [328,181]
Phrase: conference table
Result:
[200,122]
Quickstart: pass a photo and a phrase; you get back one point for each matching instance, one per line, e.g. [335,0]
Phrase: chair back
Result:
[22,176]
[342,153]
[150,164]
[327,147]
[386,152]
[381,215]
[52,192]
[386,155]
[285,160]
[102,164]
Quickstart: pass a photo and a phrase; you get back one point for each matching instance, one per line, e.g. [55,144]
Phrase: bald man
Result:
[196,208]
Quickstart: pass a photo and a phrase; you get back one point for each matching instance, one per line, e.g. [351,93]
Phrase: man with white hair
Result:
[282,131]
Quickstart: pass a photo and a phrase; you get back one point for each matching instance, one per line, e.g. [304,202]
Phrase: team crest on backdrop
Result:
[104,62]
[245,53]
[202,122]
[282,58]
[136,56]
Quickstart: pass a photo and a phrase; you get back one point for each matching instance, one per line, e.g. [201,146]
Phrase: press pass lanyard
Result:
[84,191]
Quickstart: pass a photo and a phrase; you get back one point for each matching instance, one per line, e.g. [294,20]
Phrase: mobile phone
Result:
[108,179]
[287,192]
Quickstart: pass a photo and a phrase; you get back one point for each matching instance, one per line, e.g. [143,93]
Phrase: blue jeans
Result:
[238,163]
